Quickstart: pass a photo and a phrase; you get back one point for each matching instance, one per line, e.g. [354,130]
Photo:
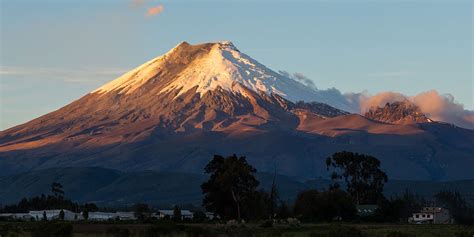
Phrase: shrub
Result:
[117,232]
[339,231]
[400,234]
[464,234]
[311,205]
[267,224]
[51,230]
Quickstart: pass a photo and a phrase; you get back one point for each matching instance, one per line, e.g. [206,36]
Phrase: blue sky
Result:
[55,51]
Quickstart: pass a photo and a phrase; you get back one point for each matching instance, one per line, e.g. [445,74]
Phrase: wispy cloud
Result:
[153,11]
[63,74]
[298,76]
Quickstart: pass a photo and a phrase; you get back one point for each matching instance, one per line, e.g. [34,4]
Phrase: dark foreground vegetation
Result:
[232,192]
[171,229]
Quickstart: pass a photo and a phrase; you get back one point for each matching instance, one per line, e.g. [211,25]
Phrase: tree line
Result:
[55,200]
[232,192]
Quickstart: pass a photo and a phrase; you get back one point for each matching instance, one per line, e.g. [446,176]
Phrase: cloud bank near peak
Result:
[437,106]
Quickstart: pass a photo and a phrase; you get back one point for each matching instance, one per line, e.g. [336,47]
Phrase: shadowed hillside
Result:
[114,188]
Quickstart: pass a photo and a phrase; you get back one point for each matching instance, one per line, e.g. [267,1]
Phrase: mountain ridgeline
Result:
[173,113]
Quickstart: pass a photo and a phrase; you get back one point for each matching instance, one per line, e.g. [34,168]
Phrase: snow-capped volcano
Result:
[208,67]
[211,87]
[175,111]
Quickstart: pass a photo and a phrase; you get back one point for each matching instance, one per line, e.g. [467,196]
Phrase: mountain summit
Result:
[399,112]
[206,67]
[176,111]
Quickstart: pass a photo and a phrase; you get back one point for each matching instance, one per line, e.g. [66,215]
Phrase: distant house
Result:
[101,216]
[165,214]
[433,215]
[366,210]
[211,215]
[186,214]
[16,216]
[54,215]
[126,216]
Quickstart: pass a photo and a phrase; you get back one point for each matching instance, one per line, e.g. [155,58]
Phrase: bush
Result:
[171,229]
[399,234]
[311,205]
[7,229]
[267,224]
[199,216]
[51,230]
[464,234]
[339,231]
[117,232]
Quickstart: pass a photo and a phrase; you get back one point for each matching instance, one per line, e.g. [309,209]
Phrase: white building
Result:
[434,215]
[211,215]
[101,216]
[185,214]
[126,216]
[16,216]
[54,215]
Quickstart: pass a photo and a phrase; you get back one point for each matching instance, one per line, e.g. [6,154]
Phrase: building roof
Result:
[125,214]
[98,213]
[171,212]
[48,212]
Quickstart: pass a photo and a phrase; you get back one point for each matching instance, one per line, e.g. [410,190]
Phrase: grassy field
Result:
[169,229]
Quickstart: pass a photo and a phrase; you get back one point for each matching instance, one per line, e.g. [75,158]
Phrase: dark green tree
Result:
[199,216]
[177,213]
[61,215]
[283,211]
[57,190]
[461,211]
[398,209]
[90,207]
[141,211]
[273,205]
[257,206]
[85,214]
[230,187]
[311,205]
[361,173]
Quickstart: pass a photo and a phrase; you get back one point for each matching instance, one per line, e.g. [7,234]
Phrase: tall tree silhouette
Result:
[231,186]
[361,173]
[273,197]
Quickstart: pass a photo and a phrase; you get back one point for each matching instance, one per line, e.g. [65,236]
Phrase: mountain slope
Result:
[208,86]
[176,111]
[164,189]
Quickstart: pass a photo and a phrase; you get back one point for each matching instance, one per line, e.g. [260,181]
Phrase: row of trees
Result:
[231,192]
[55,200]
